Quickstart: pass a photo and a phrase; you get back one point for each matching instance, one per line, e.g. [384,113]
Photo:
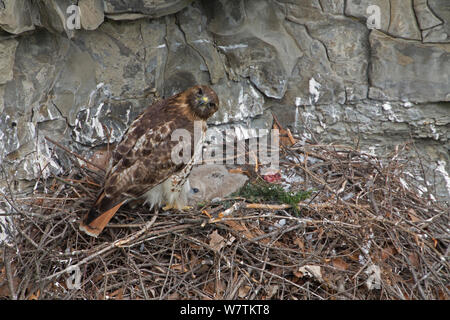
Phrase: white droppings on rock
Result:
[296,121]
[387,106]
[314,87]
[434,132]
[233,46]
[201,41]
[407,104]
[441,168]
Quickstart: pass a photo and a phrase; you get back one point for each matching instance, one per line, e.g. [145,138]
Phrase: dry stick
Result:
[283,279]
[267,206]
[277,232]
[232,294]
[9,274]
[141,282]
[168,271]
[12,202]
[74,154]
[71,184]
[84,181]
[115,244]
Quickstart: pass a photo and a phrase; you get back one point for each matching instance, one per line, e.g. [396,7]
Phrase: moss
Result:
[262,191]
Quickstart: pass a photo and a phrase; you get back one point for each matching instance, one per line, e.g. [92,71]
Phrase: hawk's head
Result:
[202,101]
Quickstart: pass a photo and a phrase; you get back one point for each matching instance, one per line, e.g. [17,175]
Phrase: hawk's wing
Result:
[140,161]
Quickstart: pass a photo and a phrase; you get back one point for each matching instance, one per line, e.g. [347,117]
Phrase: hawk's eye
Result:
[195,190]
[200,92]
[211,105]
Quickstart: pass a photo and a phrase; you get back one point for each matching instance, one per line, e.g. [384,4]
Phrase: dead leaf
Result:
[243,291]
[321,231]
[299,242]
[217,242]
[4,288]
[179,267]
[413,216]
[286,137]
[414,258]
[312,271]
[220,288]
[298,274]
[354,257]
[230,240]
[35,296]
[173,296]
[340,264]
[117,295]
[271,291]
[239,227]
[388,252]
[442,295]
[176,255]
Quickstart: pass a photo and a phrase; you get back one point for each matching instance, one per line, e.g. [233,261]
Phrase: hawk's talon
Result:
[168,207]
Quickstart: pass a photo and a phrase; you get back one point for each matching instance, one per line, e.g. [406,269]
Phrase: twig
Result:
[267,206]
[9,275]
[75,155]
[115,244]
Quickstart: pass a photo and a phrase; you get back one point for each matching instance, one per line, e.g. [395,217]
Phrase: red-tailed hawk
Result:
[141,164]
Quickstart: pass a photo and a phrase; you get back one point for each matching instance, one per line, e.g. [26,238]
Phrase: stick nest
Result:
[364,232]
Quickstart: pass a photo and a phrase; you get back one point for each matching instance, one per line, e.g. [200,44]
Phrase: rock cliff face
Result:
[373,71]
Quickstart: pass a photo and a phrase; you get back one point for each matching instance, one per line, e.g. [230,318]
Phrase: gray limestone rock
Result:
[328,54]
[53,15]
[403,20]
[194,69]
[408,70]
[333,6]
[258,60]
[313,80]
[15,16]
[251,35]
[74,84]
[396,17]
[239,101]
[425,16]
[193,23]
[91,13]
[347,50]
[150,8]
[439,33]
[225,17]
[7,56]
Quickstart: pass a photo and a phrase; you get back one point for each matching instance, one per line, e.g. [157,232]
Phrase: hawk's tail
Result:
[99,215]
